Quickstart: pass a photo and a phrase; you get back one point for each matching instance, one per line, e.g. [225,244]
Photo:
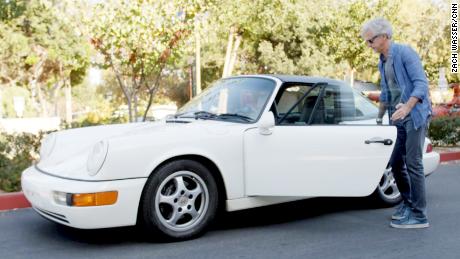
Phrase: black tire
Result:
[387,193]
[179,215]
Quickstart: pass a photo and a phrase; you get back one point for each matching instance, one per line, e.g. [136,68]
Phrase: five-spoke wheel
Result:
[180,200]
[387,192]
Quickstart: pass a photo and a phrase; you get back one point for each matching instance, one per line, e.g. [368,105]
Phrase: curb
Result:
[14,200]
[17,200]
[449,156]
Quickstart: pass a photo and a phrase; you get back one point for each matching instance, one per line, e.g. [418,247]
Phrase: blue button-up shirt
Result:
[411,78]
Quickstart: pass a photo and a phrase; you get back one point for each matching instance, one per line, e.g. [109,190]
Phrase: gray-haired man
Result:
[405,95]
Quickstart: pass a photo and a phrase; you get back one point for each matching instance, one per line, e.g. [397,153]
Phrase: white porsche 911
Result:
[244,142]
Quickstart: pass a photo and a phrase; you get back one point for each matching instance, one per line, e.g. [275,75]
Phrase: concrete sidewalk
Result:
[17,200]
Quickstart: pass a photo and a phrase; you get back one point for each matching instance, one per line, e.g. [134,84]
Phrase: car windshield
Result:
[239,99]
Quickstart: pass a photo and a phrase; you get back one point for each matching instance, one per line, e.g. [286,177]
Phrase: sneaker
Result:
[410,222]
[401,212]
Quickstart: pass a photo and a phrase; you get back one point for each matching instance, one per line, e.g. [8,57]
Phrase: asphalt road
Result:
[315,228]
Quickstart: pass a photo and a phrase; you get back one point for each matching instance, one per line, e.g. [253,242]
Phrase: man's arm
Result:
[416,73]
[381,110]
[381,113]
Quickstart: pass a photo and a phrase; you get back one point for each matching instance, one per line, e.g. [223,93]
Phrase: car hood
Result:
[69,156]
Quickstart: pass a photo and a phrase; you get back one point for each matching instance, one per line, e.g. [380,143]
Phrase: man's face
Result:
[375,41]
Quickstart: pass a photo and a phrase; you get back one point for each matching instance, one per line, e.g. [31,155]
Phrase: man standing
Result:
[405,95]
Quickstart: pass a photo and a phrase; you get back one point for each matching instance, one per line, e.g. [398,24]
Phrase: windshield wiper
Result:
[205,115]
[235,115]
[178,115]
[209,115]
[194,114]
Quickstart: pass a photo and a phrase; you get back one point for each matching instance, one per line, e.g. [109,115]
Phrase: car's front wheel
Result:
[387,193]
[180,200]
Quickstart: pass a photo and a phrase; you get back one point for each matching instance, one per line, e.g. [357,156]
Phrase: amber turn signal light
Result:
[94,199]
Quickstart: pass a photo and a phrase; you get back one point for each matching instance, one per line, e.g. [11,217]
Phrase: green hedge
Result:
[445,130]
[93,119]
[17,152]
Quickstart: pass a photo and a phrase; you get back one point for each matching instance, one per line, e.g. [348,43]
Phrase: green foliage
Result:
[94,119]
[138,39]
[173,87]
[143,40]
[14,49]
[427,30]
[11,9]
[276,37]
[445,130]
[17,152]
[7,101]
[42,48]
[321,37]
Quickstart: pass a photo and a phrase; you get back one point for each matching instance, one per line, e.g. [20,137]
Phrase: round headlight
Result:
[47,146]
[97,157]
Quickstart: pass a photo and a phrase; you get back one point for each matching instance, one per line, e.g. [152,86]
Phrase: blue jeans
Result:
[407,166]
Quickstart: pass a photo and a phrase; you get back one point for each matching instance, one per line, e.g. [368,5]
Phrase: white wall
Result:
[29,125]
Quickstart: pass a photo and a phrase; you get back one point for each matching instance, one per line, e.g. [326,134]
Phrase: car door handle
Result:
[387,142]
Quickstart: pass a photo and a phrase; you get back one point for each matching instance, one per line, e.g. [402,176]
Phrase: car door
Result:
[315,149]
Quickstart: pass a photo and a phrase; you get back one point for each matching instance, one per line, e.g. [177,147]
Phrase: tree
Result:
[138,39]
[13,44]
[44,50]
[424,28]
[275,37]
[322,37]
[427,29]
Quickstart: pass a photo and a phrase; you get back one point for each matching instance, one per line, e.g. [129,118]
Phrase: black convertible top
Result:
[300,79]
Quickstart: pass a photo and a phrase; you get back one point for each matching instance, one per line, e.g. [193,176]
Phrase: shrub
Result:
[17,152]
[93,119]
[445,130]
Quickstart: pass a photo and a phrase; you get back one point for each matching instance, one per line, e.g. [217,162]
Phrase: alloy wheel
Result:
[181,201]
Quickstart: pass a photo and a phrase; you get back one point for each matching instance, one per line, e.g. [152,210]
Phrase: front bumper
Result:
[39,188]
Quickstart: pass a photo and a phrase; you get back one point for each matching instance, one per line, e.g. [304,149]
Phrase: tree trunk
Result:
[229,51]
[152,91]
[128,97]
[198,61]
[130,112]
[42,102]
[55,97]
[68,102]
[190,82]
[234,55]
[34,97]
[126,93]
[1,105]
[35,85]
[135,104]
[352,77]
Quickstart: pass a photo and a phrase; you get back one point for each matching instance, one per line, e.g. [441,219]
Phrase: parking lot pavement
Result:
[315,228]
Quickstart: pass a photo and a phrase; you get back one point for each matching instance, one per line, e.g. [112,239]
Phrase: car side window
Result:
[342,105]
[294,106]
[365,109]
[325,105]
[338,105]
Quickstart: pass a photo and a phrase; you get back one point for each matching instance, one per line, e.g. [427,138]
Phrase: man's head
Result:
[377,33]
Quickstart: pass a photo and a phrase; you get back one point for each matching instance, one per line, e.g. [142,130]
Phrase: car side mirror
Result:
[266,123]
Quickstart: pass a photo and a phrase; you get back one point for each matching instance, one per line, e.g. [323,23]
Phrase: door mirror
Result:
[266,123]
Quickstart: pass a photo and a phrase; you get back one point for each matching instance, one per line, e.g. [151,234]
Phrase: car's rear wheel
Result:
[180,200]
[387,193]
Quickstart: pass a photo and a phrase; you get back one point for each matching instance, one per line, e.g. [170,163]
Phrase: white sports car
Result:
[244,142]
